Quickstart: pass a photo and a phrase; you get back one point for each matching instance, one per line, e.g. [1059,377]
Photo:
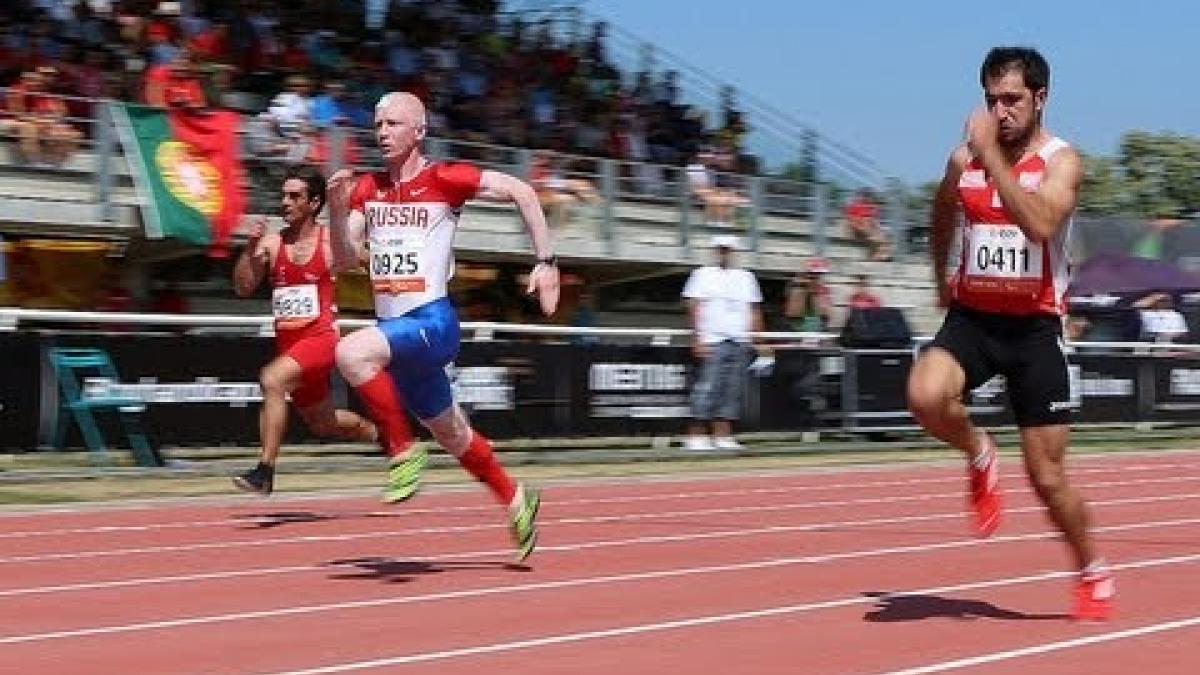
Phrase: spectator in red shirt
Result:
[212,44]
[175,84]
[39,119]
[862,220]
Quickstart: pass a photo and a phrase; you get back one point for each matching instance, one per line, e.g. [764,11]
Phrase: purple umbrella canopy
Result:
[1111,278]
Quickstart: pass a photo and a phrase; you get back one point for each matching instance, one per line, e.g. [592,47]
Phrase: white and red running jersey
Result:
[410,232]
[999,269]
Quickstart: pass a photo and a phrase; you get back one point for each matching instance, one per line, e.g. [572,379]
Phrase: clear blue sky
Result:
[895,80]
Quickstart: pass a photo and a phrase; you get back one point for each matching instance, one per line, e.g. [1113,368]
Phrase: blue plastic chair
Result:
[71,367]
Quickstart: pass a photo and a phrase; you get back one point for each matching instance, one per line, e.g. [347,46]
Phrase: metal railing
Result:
[14,318]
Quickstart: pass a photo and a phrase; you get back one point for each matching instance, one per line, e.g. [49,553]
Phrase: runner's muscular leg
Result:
[1045,449]
[935,389]
[322,419]
[450,429]
[362,354]
[278,378]
[362,358]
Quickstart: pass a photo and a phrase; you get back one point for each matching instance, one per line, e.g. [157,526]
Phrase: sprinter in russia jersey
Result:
[401,222]
[410,232]
[1015,185]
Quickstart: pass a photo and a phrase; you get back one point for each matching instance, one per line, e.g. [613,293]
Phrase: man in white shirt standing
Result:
[724,303]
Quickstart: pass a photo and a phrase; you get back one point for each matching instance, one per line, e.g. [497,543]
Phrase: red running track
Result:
[864,570]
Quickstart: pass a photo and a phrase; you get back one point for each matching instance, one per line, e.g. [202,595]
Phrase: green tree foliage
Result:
[1103,191]
[1154,175]
[1161,173]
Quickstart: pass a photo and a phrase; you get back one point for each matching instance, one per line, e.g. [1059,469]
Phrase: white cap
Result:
[727,241]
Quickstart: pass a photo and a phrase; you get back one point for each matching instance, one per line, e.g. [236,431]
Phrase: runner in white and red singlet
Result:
[298,261]
[403,220]
[1016,186]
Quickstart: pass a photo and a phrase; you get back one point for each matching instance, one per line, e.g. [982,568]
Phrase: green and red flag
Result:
[187,172]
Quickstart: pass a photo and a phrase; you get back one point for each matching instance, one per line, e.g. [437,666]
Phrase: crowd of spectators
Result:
[485,75]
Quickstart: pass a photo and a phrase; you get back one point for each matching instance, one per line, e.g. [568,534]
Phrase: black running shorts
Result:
[1026,350]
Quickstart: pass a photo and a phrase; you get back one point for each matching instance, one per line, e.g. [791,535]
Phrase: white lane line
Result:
[1049,647]
[582,520]
[601,580]
[469,555]
[621,631]
[883,467]
[249,521]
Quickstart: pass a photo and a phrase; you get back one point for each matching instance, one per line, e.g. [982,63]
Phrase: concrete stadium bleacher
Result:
[64,202]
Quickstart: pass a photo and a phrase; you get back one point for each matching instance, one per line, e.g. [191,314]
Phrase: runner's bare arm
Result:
[501,187]
[1041,213]
[943,217]
[543,278]
[252,265]
[347,228]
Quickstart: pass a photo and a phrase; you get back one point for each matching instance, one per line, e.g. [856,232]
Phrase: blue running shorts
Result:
[423,342]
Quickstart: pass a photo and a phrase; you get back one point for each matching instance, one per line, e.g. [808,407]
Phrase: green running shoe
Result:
[404,478]
[524,522]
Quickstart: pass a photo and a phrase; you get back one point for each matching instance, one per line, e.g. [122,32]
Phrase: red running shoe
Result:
[985,489]
[1094,595]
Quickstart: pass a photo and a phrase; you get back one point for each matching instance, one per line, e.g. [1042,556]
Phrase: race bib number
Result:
[396,263]
[295,306]
[1001,259]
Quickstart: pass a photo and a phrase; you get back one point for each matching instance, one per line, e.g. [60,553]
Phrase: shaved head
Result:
[408,106]
[400,128]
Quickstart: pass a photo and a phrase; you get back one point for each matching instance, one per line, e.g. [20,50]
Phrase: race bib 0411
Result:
[1000,258]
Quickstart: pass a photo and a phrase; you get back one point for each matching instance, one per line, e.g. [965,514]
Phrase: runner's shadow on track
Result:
[264,521]
[901,607]
[403,571]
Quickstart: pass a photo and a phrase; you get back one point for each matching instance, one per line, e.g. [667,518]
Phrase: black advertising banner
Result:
[20,390]
[516,389]
[630,390]
[199,389]
[1176,386]
[203,389]
[1106,388]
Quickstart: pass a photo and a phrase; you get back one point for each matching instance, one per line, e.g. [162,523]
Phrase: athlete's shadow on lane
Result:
[263,521]
[891,607]
[390,570]
[272,519]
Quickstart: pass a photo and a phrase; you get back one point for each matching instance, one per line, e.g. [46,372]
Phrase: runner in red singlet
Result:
[1016,186]
[299,261]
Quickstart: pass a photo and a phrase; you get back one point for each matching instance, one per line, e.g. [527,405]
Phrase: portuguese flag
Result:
[187,172]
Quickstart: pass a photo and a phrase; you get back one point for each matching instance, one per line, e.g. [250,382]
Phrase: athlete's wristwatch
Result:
[548,260]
